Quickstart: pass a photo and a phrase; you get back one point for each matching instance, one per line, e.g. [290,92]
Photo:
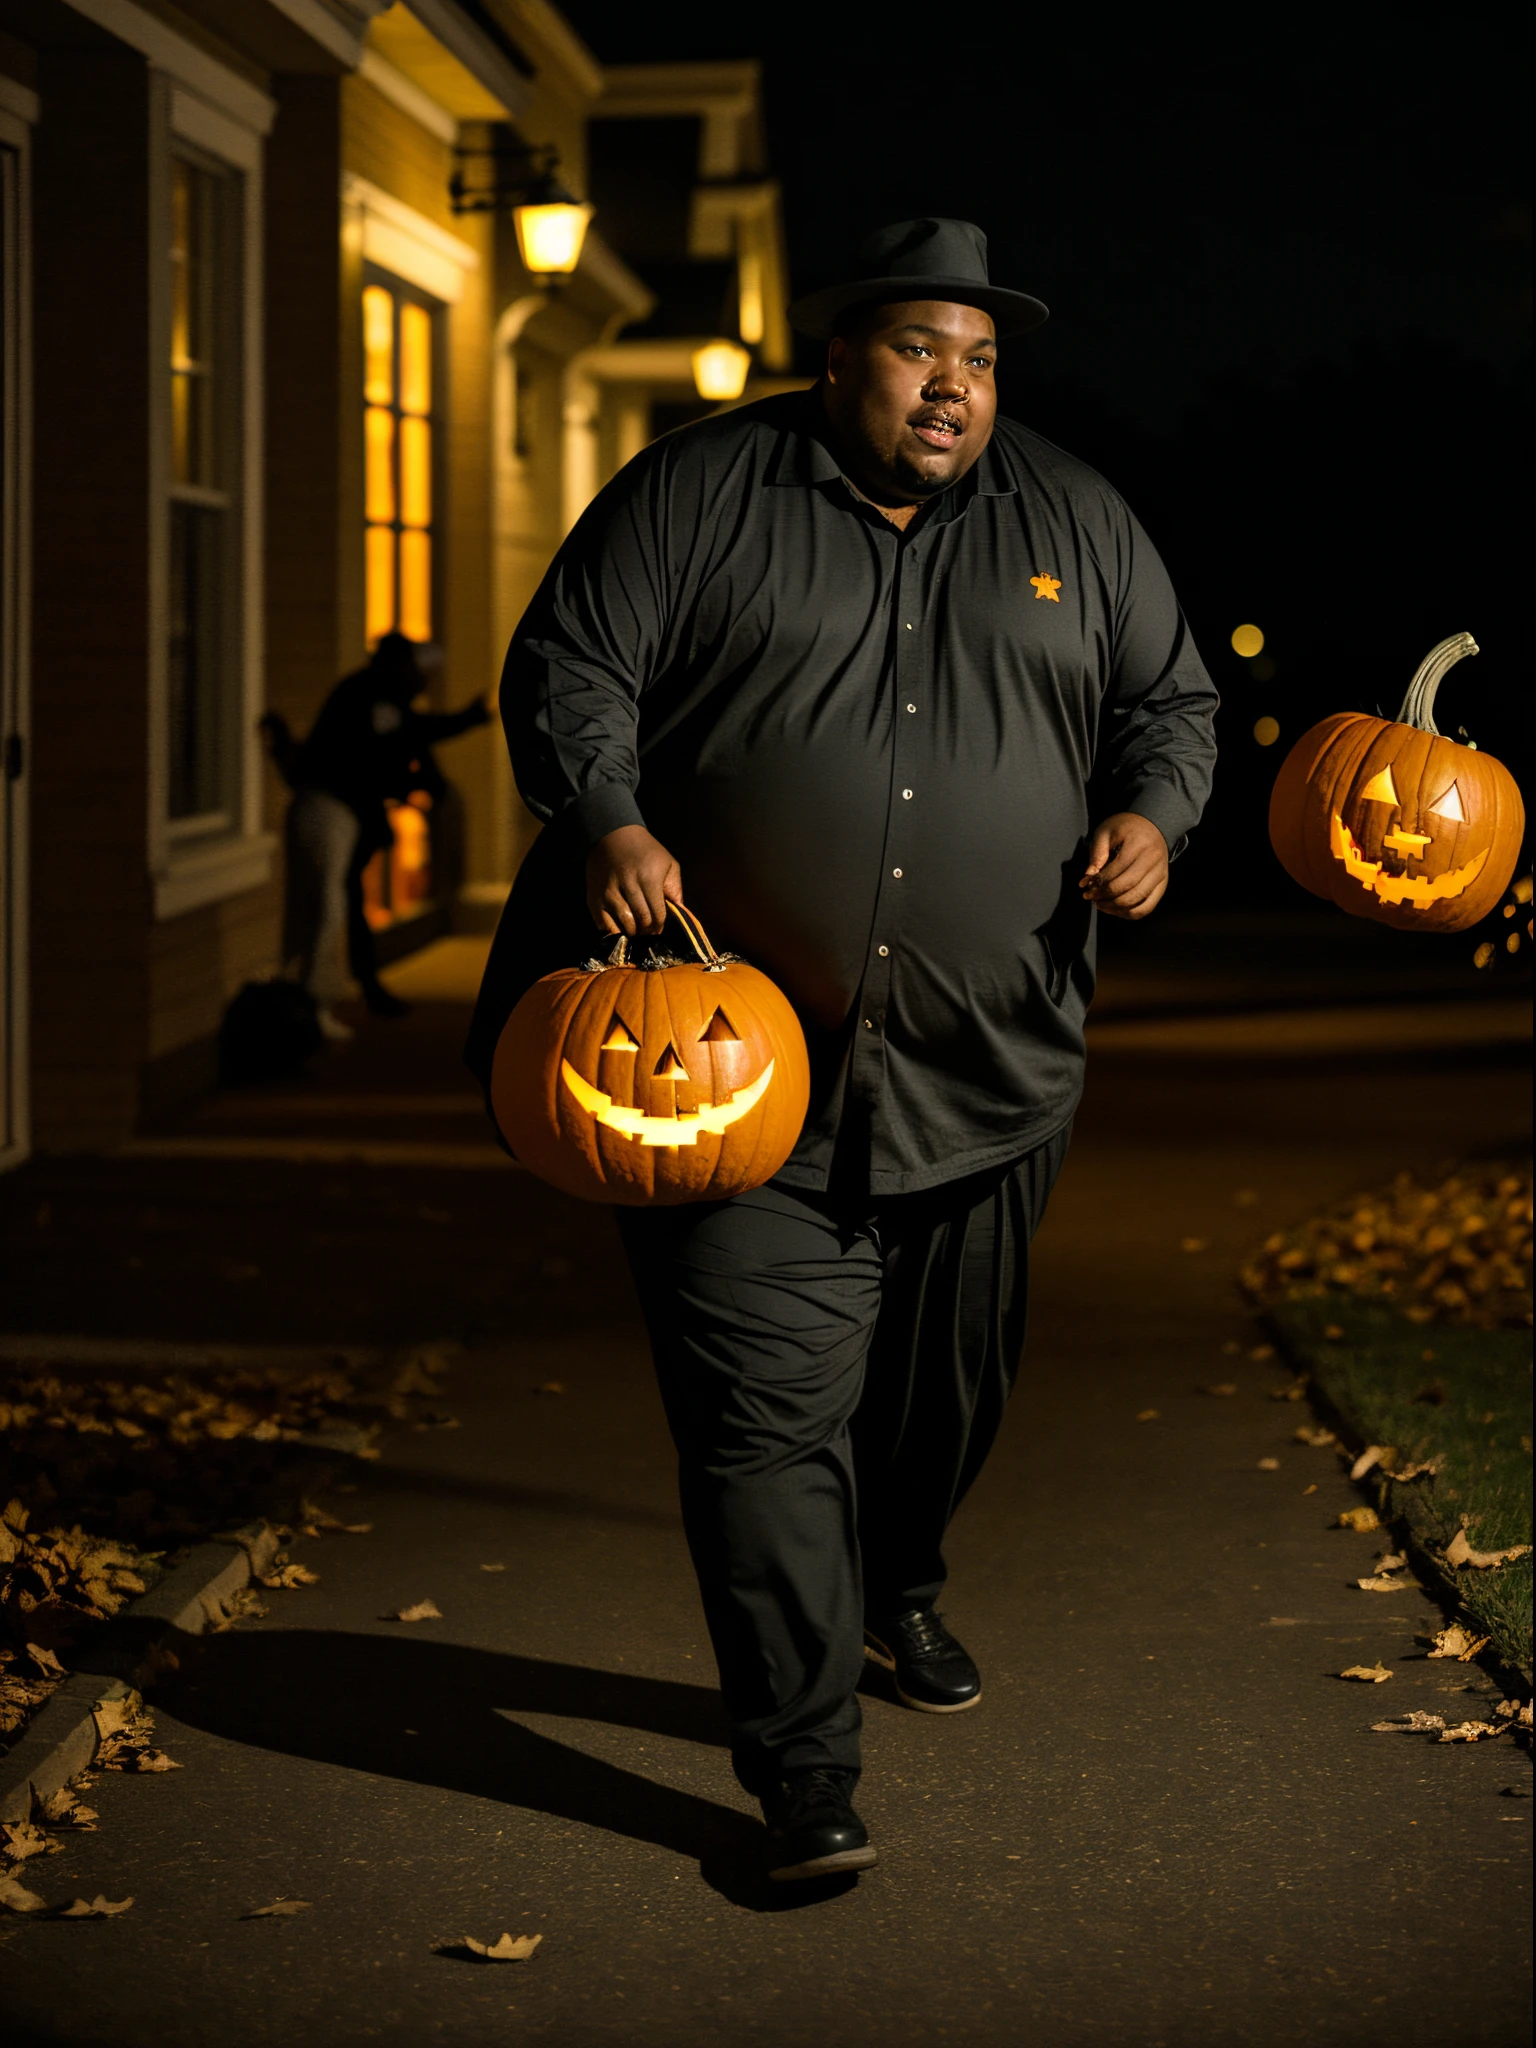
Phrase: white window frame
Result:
[192,867]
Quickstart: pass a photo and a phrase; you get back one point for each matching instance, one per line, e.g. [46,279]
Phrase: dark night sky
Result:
[1287,256]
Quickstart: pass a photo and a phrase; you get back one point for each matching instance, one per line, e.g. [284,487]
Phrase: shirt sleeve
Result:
[1157,744]
[584,652]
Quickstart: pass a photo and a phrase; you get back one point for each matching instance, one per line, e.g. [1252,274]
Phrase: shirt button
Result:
[869,1023]
[897,873]
[911,707]
[909,625]
[884,952]
[907,794]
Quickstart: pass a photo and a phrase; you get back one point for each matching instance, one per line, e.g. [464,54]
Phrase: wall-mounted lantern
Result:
[720,369]
[551,222]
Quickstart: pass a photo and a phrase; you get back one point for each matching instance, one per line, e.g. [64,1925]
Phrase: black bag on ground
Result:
[269,1030]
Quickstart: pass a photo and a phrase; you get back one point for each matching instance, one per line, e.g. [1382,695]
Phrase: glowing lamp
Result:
[1247,641]
[720,369]
[550,231]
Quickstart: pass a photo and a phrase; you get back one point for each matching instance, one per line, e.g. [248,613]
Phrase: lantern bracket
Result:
[519,174]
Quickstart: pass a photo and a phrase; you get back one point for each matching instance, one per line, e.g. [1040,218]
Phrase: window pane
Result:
[415,473]
[379,604]
[193,213]
[415,359]
[378,346]
[379,439]
[416,585]
[194,669]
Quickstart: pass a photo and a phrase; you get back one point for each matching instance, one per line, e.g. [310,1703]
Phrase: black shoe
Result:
[933,1672]
[813,1831]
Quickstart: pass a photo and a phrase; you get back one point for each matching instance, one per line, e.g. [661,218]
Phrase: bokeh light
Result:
[1267,731]
[1247,641]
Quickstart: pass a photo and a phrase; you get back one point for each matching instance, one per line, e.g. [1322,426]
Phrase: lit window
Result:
[202,678]
[399,338]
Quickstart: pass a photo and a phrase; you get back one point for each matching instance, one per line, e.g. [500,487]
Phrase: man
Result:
[900,693]
[367,746]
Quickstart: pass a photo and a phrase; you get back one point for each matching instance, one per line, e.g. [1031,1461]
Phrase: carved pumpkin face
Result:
[1394,822]
[660,1084]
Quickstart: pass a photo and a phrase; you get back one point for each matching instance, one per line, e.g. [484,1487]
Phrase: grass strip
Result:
[1453,1393]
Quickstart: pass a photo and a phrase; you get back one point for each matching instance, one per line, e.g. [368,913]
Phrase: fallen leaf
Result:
[1459,1552]
[291,1576]
[1309,1489]
[278,1909]
[1269,1464]
[1221,1391]
[493,1567]
[508,1949]
[1361,1520]
[1384,1585]
[423,1610]
[1148,1415]
[1456,1642]
[1315,1435]
[1231,1348]
[1333,1334]
[65,1809]
[1369,1459]
[1426,1468]
[1472,1731]
[19,1840]
[1194,1244]
[98,1908]
[1368,1674]
[551,1387]
[1259,1352]
[1415,1723]
[15,1897]
[435,1419]
[46,1661]
[1518,1712]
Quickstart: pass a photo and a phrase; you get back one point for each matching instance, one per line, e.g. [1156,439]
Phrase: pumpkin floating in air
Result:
[653,1082]
[1393,821]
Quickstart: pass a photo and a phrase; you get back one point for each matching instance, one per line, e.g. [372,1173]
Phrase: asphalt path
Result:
[1167,1825]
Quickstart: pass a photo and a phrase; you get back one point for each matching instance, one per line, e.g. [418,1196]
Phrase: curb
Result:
[60,1740]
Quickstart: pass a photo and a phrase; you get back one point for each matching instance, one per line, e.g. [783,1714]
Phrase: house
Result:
[276,379]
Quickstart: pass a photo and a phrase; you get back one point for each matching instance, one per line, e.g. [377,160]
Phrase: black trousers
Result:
[834,1373]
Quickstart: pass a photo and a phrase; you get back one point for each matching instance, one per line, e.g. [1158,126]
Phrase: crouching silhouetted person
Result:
[366,748]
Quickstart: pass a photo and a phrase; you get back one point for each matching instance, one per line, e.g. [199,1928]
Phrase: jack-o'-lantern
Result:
[1393,821]
[653,1080]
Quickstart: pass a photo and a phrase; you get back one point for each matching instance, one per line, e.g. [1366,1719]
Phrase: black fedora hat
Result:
[920,259]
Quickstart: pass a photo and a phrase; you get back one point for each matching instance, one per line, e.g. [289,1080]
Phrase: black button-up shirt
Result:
[871,752]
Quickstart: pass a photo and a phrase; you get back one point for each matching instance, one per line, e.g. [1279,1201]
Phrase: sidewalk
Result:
[1167,1826]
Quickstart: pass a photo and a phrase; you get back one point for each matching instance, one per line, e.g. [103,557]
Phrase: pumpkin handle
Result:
[1419,704]
[698,938]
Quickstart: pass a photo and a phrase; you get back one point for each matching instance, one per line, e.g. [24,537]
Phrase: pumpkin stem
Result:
[1419,704]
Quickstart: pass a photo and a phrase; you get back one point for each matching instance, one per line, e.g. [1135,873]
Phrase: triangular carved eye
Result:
[720,1031]
[670,1068]
[1449,806]
[619,1037]
[1381,789]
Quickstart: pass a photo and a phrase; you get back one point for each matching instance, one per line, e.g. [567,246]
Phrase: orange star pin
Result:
[1046,586]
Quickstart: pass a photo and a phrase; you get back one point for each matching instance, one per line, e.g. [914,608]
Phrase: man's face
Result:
[912,394]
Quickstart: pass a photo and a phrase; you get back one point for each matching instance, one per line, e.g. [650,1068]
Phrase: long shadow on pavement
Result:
[436,1714]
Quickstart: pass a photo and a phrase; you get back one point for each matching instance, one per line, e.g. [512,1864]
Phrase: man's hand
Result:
[1127,868]
[631,877]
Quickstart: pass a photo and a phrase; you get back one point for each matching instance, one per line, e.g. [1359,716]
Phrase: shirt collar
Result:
[803,457]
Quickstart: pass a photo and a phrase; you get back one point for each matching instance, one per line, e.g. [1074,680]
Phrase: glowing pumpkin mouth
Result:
[684,1128]
[1398,888]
